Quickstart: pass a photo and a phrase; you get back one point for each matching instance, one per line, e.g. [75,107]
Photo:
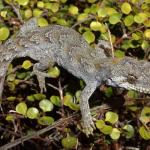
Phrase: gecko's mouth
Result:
[124,84]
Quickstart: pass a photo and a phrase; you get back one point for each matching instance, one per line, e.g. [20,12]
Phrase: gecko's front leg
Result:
[88,123]
[38,70]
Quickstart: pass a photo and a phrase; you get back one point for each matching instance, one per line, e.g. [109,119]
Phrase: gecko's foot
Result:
[88,127]
[41,79]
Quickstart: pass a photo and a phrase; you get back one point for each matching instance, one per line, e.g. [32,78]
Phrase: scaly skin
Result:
[67,48]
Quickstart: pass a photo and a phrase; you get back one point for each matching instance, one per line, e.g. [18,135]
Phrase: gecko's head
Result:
[131,74]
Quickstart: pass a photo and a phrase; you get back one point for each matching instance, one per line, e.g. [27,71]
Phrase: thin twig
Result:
[112,48]
[17,11]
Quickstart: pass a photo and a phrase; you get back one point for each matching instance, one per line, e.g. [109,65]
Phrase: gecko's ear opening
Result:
[29,25]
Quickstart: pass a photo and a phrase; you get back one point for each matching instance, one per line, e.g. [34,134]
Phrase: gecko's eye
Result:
[131,78]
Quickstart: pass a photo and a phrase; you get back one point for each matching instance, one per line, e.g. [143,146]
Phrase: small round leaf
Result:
[128,21]
[21,108]
[54,72]
[115,134]
[46,105]
[10,117]
[111,117]
[22,2]
[73,10]
[129,131]
[147,33]
[45,120]
[106,129]
[126,8]
[32,113]
[69,142]
[56,100]
[100,124]
[115,18]
[4,33]
[145,134]
[89,36]
[26,64]
[42,22]
[95,25]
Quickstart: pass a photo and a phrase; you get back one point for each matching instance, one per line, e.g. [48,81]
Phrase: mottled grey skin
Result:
[67,48]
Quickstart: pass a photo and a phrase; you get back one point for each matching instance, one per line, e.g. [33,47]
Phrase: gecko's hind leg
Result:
[38,70]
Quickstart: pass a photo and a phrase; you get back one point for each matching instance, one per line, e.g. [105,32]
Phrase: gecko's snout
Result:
[124,82]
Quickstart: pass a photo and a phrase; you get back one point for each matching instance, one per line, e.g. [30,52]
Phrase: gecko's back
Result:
[56,43]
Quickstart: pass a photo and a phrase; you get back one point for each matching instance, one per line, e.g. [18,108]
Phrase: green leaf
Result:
[115,134]
[102,12]
[10,117]
[126,8]
[42,22]
[28,13]
[109,92]
[147,33]
[146,111]
[21,108]
[106,129]
[39,96]
[11,98]
[26,64]
[115,18]
[62,22]
[82,16]
[145,45]
[89,36]
[54,72]
[3,13]
[67,99]
[144,133]
[54,7]
[129,131]
[37,12]
[132,94]
[56,100]
[119,54]
[45,120]
[78,95]
[73,10]
[46,105]
[4,33]
[100,124]
[30,98]
[11,77]
[22,2]
[69,142]
[1,5]
[73,106]
[32,113]
[128,20]
[95,25]
[91,1]
[111,117]
[40,4]
[140,18]
[110,11]
[21,75]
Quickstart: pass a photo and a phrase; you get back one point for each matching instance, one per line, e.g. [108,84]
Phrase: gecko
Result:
[66,47]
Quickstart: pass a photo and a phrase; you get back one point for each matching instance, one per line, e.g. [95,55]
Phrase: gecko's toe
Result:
[41,80]
[88,127]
